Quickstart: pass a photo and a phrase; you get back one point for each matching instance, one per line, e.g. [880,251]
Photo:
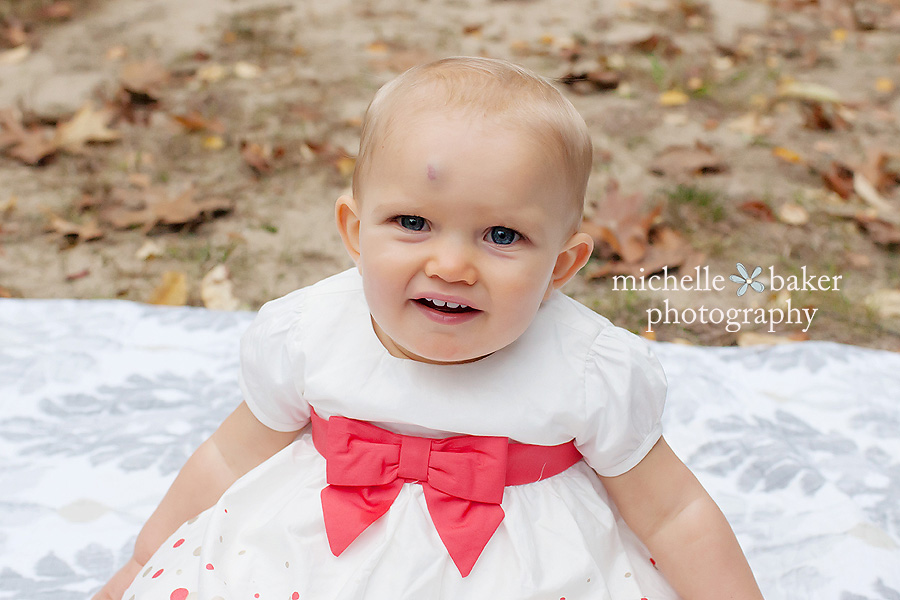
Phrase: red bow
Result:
[462,479]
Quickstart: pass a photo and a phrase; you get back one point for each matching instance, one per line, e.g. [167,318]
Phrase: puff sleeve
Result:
[271,376]
[625,391]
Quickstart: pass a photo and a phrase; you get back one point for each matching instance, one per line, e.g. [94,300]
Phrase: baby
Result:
[441,421]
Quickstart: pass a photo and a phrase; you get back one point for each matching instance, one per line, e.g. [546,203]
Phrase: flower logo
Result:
[747,280]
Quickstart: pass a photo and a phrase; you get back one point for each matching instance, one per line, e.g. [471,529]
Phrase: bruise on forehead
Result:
[432,172]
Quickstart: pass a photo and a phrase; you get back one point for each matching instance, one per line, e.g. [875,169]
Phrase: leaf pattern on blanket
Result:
[102,401]
[770,453]
[186,410]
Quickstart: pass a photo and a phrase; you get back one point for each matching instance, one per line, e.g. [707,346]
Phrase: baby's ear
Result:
[574,255]
[346,213]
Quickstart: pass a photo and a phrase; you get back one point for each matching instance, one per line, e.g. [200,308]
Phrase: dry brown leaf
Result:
[787,155]
[673,98]
[30,146]
[86,126]
[60,10]
[217,290]
[15,55]
[686,160]
[171,290]
[155,206]
[667,249]
[13,33]
[145,79]
[621,224]
[752,338]
[195,121]
[74,232]
[882,232]
[886,303]
[793,214]
[839,179]
[257,157]
[333,155]
[758,209]
[586,82]
[875,169]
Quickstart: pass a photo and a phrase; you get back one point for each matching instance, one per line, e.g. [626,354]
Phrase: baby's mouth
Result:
[445,307]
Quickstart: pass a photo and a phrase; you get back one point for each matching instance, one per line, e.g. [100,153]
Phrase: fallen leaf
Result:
[865,190]
[875,170]
[171,290]
[673,98]
[886,303]
[212,73]
[686,160]
[592,81]
[808,91]
[195,121]
[13,33]
[884,85]
[839,179]
[758,209]
[667,248]
[793,214]
[213,142]
[155,206]
[752,124]
[8,206]
[74,232]
[787,155]
[14,56]
[144,80]
[333,155]
[86,126]
[752,338]
[246,70]
[31,146]
[257,157]
[882,232]
[57,11]
[217,290]
[149,249]
[78,275]
[621,224]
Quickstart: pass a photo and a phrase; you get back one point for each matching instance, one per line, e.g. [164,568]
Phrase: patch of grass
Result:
[703,204]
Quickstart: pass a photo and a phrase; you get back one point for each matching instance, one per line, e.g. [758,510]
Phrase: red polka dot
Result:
[256,595]
[209,567]
[157,574]
[179,594]
[178,543]
[295,596]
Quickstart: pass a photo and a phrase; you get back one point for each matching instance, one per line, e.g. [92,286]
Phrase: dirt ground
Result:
[221,132]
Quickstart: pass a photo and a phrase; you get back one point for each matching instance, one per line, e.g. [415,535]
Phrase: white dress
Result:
[571,375]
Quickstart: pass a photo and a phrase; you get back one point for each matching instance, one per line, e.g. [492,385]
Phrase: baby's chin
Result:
[441,356]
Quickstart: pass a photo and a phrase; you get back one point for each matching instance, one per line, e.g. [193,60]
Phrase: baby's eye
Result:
[412,222]
[503,236]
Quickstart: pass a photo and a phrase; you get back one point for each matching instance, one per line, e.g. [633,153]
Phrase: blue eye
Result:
[411,222]
[503,236]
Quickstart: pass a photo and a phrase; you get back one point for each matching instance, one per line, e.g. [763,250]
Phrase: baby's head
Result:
[483,88]
[467,195]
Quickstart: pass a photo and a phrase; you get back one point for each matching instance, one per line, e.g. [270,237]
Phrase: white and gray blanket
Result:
[101,402]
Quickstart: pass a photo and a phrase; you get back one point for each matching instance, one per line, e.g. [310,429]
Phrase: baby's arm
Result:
[688,536]
[239,444]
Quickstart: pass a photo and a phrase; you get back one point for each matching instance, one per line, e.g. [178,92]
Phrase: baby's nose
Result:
[453,262]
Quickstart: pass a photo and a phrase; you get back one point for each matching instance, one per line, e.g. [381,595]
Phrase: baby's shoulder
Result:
[585,331]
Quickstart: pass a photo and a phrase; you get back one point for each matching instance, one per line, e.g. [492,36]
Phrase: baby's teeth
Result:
[438,302]
[452,305]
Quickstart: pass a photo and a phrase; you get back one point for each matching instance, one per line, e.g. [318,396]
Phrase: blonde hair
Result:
[482,87]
